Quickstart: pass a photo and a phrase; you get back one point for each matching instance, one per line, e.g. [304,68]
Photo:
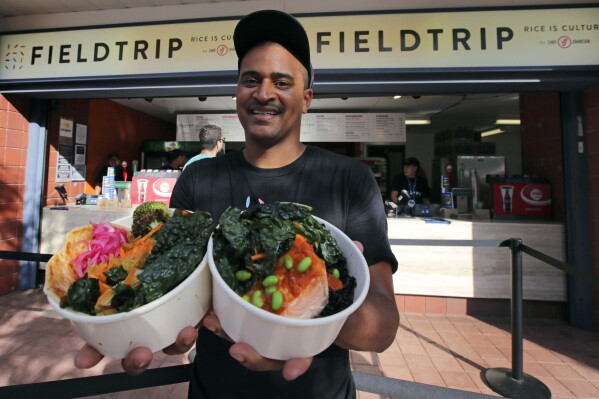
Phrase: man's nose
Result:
[265,91]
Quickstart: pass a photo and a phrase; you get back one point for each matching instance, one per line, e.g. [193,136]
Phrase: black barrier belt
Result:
[586,276]
[97,385]
[407,389]
[28,256]
[446,243]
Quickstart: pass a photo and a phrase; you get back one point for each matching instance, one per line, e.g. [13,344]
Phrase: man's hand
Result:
[138,360]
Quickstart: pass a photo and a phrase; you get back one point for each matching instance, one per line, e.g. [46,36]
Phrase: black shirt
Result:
[342,191]
[417,188]
[118,174]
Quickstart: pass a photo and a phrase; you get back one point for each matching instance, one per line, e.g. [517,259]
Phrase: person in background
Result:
[175,160]
[211,143]
[113,161]
[414,182]
[274,89]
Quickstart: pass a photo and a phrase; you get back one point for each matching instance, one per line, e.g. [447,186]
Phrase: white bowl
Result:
[154,325]
[279,337]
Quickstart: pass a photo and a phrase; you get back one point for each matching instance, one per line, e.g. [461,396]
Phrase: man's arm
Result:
[394,195]
[374,325]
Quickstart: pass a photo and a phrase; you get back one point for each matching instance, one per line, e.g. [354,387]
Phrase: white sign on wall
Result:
[472,39]
[317,127]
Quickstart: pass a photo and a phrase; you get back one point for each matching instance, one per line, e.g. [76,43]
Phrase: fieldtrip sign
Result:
[473,39]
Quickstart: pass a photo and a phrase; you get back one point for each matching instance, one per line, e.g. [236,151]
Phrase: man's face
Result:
[270,94]
[180,160]
[410,170]
[113,162]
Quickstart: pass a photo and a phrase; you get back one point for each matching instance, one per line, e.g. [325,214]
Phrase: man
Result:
[175,160]
[413,182]
[273,91]
[211,143]
[112,161]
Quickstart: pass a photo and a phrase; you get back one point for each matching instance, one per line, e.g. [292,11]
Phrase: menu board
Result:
[316,127]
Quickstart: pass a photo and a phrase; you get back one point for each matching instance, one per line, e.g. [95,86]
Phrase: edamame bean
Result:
[257,299]
[246,298]
[287,262]
[270,290]
[243,275]
[304,264]
[270,280]
[276,300]
[336,273]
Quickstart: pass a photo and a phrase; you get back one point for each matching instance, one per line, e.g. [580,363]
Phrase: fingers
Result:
[210,321]
[185,341]
[87,357]
[294,368]
[137,361]
[247,356]
[359,245]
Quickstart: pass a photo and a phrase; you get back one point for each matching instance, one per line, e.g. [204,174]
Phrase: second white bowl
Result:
[278,337]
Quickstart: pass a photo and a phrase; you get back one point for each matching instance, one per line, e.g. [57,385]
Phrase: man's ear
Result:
[308,96]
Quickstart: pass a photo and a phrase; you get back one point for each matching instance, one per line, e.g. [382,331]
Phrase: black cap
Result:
[273,26]
[412,161]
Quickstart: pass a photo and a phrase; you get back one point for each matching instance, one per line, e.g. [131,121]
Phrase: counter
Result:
[476,270]
[56,223]
[481,270]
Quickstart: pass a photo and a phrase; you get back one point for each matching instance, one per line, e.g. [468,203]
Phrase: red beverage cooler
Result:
[153,186]
[520,198]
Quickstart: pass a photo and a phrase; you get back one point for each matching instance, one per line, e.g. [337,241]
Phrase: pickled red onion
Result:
[107,241]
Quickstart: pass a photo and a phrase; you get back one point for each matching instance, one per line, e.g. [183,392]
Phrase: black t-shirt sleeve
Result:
[367,220]
[182,196]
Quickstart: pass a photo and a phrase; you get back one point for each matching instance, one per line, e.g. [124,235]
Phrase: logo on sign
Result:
[13,58]
[162,187]
[564,41]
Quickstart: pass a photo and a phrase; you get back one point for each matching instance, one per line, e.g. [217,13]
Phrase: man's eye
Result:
[282,84]
[249,82]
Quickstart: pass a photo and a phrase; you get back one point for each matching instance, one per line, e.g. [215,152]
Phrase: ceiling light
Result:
[396,97]
[507,122]
[491,132]
[418,121]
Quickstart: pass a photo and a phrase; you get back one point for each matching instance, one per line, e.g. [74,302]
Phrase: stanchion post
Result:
[516,384]
[517,337]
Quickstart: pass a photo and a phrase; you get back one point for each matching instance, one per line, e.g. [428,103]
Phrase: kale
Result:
[124,297]
[269,229]
[341,299]
[179,249]
[115,275]
[83,294]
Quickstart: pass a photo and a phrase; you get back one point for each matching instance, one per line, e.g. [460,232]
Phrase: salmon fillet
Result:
[305,293]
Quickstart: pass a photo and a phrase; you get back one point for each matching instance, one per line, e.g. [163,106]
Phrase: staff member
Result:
[414,182]
[175,160]
[112,161]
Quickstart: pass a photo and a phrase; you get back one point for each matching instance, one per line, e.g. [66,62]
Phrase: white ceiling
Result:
[476,111]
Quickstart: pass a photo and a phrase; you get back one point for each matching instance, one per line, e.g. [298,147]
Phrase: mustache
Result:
[271,104]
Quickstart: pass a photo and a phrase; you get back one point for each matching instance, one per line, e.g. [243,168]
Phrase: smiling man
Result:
[274,89]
